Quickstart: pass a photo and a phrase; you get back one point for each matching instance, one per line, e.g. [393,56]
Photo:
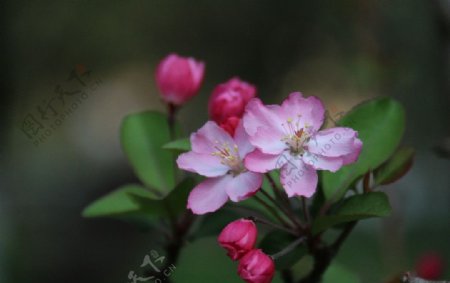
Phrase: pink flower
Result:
[430,266]
[230,125]
[256,267]
[179,78]
[238,238]
[287,136]
[219,157]
[229,99]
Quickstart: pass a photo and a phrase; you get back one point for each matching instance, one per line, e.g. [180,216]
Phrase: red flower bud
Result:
[230,125]
[238,238]
[229,99]
[256,267]
[430,266]
[179,78]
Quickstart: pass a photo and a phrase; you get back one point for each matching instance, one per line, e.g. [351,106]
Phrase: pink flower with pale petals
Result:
[287,137]
[218,156]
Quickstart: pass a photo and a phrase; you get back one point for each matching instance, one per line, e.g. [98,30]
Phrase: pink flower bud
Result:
[229,99]
[256,267]
[230,125]
[430,266]
[238,238]
[179,78]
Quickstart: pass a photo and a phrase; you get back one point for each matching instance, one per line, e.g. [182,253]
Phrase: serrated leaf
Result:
[380,126]
[142,136]
[374,204]
[396,167]
[179,145]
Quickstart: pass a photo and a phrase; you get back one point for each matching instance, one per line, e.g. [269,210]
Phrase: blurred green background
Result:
[342,51]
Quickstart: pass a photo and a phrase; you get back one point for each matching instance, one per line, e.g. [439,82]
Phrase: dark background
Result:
[342,51]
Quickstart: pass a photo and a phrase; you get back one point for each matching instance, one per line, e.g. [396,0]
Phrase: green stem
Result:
[289,248]
[306,211]
[272,210]
[271,224]
[287,208]
[290,215]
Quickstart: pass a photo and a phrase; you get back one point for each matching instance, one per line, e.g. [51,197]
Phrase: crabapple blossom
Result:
[256,267]
[219,156]
[229,100]
[230,124]
[179,78]
[287,137]
[238,238]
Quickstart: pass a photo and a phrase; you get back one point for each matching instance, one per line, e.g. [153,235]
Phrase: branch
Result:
[323,256]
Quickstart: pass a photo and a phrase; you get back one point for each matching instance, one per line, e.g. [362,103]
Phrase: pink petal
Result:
[310,109]
[263,126]
[208,137]
[208,196]
[298,179]
[242,141]
[202,163]
[258,161]
[319,162]
[197,70]
[352,157]
[244,185]
[335,142]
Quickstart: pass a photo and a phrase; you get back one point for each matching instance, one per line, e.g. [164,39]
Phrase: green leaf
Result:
[118,202]
[136,204]
[177,199]
[175,202]
[142,137]
[179,145]
[374,204]
[337,273]
[396,167]
[380,126]
[276,241]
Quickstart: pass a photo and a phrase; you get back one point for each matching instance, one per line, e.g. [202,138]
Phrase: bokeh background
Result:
[342,51]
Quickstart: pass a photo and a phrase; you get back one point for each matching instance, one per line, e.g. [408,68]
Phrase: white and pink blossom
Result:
[219,156]
[288,137]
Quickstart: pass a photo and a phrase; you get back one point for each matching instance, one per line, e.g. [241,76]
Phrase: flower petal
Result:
[258,161]
[263,126]
[334,142]
[352,157]
[319,162]
[242,141]
[202,163]
[208,196]
[243,186]
[310,109]
[298,179]
[208,137]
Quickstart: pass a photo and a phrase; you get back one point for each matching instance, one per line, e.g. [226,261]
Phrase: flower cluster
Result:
[246,139]
[239,238]
[261,162]
[268,137]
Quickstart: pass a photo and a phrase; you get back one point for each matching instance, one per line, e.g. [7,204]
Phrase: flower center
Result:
[295,136]
[229,156]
